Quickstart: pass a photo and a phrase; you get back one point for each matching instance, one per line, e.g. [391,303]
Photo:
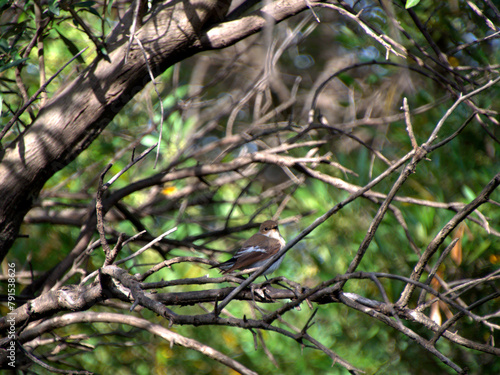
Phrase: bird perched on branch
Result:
[257,250]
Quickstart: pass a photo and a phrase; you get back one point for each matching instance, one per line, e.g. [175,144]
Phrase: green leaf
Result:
[13,63]
[149,140]
[93,11]
[54,7]
[110,7]
[71,46]
[347,79]
[468,193]
[103,50]
[84,4]
[87,5]
[411,3]
[4,46]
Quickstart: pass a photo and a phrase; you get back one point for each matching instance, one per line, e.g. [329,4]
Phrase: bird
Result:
[257,250]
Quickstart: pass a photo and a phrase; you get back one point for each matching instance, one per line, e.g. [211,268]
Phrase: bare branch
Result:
[155,329]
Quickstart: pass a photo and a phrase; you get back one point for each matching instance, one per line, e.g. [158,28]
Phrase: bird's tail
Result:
[224,266]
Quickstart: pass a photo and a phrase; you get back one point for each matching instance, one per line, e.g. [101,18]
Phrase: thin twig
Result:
[35,95]
[160,101]
[144,248]
[409,127]
[434,269]
[53,369]
[100,211]
[450,110]
[133,27]
[388,43]
[129,165]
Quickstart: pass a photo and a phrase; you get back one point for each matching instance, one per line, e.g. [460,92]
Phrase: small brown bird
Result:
[257,250]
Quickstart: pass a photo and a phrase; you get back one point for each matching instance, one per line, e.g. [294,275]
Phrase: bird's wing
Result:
[251,253]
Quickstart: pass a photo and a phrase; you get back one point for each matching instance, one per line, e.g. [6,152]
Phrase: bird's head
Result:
[269,228]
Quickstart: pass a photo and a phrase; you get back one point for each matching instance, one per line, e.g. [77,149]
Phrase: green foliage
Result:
[411,3]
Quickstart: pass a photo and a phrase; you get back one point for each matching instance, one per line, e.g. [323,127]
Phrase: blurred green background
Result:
[456,172]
